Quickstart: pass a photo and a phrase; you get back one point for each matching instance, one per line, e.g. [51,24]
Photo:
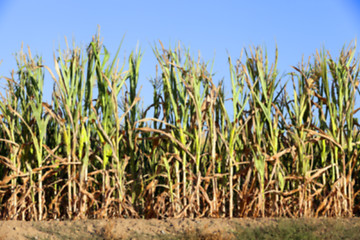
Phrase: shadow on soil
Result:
[289,229]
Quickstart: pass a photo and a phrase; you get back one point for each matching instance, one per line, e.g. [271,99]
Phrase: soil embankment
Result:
[265,228]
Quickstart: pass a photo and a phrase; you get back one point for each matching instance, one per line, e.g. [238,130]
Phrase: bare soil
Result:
[264,228]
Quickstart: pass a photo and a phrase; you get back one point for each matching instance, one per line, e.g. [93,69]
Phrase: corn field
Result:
[288,146]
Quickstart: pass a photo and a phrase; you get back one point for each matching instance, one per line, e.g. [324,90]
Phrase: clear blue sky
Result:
[215,28]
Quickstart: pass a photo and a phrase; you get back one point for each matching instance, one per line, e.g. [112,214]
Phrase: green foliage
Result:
[93,152]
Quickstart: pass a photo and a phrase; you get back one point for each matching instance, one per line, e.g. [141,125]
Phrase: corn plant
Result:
[94,152]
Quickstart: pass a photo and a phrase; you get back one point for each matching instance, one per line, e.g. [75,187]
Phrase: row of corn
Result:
[264,146]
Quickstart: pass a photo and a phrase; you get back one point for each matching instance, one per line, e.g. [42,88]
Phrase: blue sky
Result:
[215,28]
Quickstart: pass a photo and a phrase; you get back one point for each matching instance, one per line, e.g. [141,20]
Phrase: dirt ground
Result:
[264,228]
